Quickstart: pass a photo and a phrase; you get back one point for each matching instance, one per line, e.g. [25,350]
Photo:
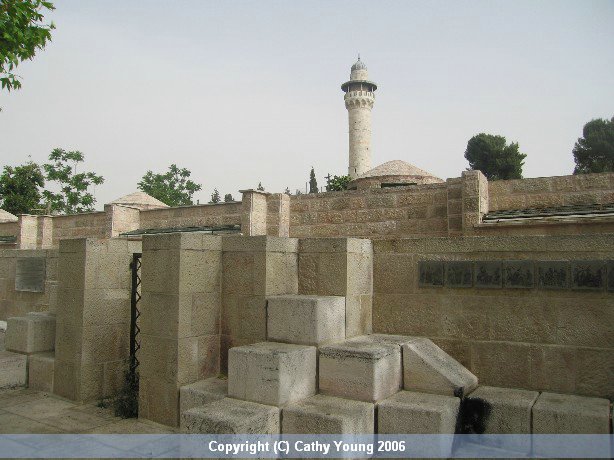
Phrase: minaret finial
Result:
[359,56]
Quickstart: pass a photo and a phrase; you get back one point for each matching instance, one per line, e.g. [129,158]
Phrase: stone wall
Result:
[559,340]
[543,192]
[86,225]
[19,303]
[192,216]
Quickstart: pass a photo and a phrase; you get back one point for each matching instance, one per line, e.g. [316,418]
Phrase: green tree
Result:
[173,188]
[228,198]
[287,191]
[22,33]
[260,187]
[215,197]
[337,183]
[313,183]
[594,151]
[491,155]
[20,188]
[74,195]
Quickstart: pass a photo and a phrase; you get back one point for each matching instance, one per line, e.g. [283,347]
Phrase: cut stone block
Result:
[13,369]
[569,414]
[202,392]
[231,416]
[322,414]
[409,412]
[305,319]
[272,373]
[40,371]
[429,369]
[31,334]
[492,410]
[361,370]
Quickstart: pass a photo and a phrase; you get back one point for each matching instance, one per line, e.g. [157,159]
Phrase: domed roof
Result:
[396,168]
[6,216]
[359,65]
[140,200]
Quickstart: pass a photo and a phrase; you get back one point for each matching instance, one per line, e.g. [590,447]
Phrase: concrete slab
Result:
[272,373]
[40,371]
[232,416]
[322,414]
[306,319]
[14,368]
[42,408]
[202,392]
[429,369]
[360,370]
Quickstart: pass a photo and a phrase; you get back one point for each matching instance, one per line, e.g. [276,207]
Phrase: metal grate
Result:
[135,297]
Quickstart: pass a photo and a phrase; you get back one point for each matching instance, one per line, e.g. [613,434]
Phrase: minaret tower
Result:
[359,99]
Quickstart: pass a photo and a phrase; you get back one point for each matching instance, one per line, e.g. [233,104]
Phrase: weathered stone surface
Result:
[201,393]
[458,274]
[429,369]
[31,334]
[553,275]
[306,320]
[40,371]
[518,274]
[231,416]
[430,273]
[361,370]
[588,275]
[322,414]
[487,274]
[569,414]
[272,373]
[13,369]
[493,410]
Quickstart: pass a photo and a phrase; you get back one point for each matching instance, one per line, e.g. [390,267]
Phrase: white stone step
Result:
[32,333]
[41,371]
[360,370]
[322,414]
[429,369]
[272,373]
[13,369]
[202,392]
[306,319]
[231,416]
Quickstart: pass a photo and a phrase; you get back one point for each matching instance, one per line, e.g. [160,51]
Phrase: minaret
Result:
[359,99]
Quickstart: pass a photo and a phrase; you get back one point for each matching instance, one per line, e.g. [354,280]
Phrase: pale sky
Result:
[246,91]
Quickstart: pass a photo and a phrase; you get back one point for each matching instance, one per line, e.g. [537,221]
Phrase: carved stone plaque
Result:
[553,275]
[431,273]
[588,275]
[487,274]
[518,274]
[458,274]
[30,274]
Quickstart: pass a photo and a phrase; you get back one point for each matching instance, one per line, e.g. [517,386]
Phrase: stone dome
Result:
[359,65]
[395,173]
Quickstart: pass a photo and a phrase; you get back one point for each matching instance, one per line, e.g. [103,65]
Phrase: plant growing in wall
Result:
[173,188]
[594,151]
[494,157]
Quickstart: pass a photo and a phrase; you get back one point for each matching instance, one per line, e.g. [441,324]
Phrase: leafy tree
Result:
[298,192]
[287,191]
[215,197]
[228,198]
[20,188]
[337,183]
[491,155]
[260,187]
[313,183]
[173,188]
[594,151]
[74,196]
[22,33]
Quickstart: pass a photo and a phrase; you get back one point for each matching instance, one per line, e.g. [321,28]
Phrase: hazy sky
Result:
[246,91]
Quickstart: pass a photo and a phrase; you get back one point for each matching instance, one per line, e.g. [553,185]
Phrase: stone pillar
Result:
[92,317]
[121,218]
[278,215]
[180,319]
[454,190]
[475,199]
[27,232]
[254,212]
[44,235]
[341,267]
[254,268]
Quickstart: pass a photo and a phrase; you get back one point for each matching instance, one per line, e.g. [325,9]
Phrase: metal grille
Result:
[135,341]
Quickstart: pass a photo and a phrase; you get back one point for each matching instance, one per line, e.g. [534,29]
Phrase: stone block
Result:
[553,275]
[306,320]
[588,275]
[429,369]
[201,393]
[40,371]
[409,412]
[14,368]
[493,410]
[232,416]
[361,370]
[272,373]
[358,314]
[31,334]
[322,414]
[487,274]
[518,274]
[458,274]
